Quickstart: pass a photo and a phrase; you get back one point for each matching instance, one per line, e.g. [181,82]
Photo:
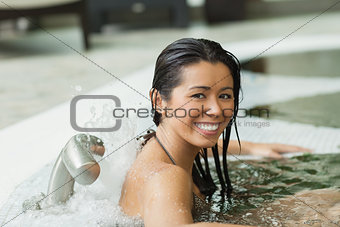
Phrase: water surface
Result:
[318,110]
[286,192]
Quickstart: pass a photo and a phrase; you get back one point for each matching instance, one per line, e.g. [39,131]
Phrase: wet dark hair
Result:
[167,76]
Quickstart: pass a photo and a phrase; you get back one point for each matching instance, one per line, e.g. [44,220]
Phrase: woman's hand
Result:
[270,150]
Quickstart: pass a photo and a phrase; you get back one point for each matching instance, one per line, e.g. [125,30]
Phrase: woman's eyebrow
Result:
[207,88]
[226,88]
[200,87]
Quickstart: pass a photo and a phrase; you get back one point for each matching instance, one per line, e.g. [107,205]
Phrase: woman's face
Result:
[204,101]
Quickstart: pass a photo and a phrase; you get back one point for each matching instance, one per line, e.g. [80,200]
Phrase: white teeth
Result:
[207,127]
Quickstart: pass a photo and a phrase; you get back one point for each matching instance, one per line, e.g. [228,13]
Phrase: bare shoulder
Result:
[169,174]
[143,177]
[168,198]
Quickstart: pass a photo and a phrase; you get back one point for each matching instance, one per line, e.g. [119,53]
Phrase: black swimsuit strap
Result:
[173,161]
[171,158]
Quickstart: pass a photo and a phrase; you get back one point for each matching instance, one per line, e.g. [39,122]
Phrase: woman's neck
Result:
[181,151]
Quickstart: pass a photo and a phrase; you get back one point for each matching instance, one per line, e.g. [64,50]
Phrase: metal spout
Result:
[74,163]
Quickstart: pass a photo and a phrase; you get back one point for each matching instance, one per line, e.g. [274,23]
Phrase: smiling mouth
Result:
[208,126]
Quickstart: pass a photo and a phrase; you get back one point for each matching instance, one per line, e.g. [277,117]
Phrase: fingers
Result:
[275,155]
[283,148]
[100,150]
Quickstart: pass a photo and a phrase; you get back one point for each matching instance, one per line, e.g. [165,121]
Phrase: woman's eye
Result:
[225,96]
[198,96]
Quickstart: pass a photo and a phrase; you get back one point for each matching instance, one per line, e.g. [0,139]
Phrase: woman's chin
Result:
[204,143]
[207,141]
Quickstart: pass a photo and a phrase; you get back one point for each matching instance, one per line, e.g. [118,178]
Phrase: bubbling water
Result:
[93,205]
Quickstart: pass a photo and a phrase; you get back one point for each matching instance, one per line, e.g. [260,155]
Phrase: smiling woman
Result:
[191,74]
[167,184]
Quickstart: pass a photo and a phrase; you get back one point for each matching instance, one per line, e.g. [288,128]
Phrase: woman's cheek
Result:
[227,114]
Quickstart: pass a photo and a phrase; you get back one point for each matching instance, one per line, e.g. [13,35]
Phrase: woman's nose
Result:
[213,108]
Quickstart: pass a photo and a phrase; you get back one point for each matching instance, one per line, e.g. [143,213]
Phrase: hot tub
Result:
[30,156]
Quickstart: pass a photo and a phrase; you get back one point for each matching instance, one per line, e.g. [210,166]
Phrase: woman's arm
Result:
[270,150]
[167,199]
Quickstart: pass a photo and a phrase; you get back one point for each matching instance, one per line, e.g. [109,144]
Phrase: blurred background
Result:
[53,50]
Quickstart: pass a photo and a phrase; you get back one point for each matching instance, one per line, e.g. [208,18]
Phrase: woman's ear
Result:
[156,100]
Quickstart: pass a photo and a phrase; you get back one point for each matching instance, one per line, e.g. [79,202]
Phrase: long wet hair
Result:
[167,76]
